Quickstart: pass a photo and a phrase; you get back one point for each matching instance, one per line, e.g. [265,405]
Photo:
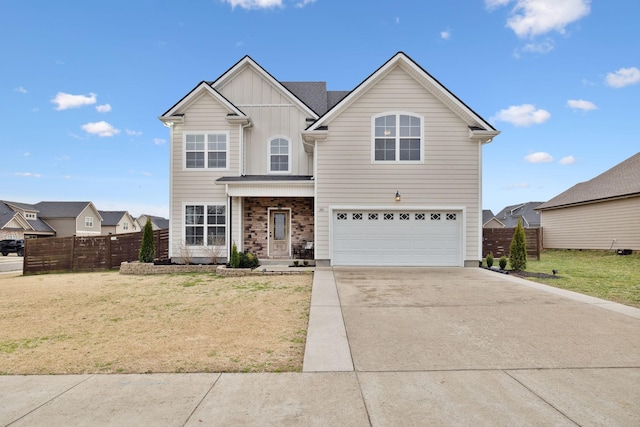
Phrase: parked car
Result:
[12,246]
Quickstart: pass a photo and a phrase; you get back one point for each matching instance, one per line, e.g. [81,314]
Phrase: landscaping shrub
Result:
[502,262]
[147,248]
[490,259]
[248,260]
[234,262]
[518,248]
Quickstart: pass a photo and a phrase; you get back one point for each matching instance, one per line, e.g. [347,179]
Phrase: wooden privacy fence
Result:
[498,240]
[83,253]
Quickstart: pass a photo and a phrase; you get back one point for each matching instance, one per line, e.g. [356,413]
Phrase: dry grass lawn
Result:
[110,323]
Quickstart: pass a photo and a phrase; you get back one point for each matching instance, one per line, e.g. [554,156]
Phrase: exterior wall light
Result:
[397,196]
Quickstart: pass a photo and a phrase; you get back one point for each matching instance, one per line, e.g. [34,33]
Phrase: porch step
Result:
[285,261]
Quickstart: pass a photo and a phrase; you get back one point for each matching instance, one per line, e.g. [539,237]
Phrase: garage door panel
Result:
[410,238]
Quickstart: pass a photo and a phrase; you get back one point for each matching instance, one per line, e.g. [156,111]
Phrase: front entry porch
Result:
[277,227]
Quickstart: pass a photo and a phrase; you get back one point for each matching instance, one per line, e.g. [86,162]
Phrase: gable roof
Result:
[316,95]
[160,222]
[63,209]
[487,215]
[111,218]
[622,180]
[247,61]
[8,212]
[473,120]
[527,211]
[203,87]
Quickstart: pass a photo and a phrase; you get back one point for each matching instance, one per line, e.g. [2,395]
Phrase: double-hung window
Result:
[279,155]
[205,221]
[397,138]
[206,150]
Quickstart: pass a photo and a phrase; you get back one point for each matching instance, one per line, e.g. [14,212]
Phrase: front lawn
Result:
[602,274]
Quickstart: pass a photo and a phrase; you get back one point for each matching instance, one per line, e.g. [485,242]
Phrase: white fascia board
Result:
[195,93]
[247,61]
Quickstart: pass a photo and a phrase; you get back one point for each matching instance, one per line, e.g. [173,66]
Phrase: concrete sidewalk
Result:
[390,347]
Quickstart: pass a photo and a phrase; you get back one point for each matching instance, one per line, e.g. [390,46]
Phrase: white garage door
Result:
[397,238]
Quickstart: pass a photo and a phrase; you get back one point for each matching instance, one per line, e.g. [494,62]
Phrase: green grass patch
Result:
[602,274]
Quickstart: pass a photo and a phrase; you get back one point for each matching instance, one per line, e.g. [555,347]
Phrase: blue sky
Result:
[83,82]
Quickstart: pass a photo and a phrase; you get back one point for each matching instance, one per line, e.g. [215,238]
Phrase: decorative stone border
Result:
[141,268]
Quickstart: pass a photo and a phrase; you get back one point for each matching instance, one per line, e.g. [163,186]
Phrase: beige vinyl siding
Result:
[81,229]
[448,177]
[203,114]
[273,114]
[593,226]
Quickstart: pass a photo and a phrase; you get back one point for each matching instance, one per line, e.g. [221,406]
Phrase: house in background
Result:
[510,215]
[385,174]
[71,218]
[22,221]
[117,222]
[489,220]
[157,222]
[602,213]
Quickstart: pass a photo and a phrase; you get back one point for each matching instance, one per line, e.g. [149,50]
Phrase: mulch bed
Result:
[525,274]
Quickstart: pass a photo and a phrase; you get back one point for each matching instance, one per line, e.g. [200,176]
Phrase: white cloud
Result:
[581,104]
[304,3]
[445,35]
[105,108]
[20,89]
[254,4]
[28,174]
[397,19]
[522,115]
[66,100]
[542,47]
[133,132]
[101,129]
[568,160]
[539,157]
[530,18]
[159,141]
[492,4]
[623,77]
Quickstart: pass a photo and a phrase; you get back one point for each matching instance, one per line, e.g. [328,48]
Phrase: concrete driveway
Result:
[473,347]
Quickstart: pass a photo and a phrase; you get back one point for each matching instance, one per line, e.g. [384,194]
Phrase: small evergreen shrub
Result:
[518,248]
[234,262]
[490,260]
[147,248]
[248,260]
[502,262]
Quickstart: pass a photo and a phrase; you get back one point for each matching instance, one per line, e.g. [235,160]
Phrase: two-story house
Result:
[388,173]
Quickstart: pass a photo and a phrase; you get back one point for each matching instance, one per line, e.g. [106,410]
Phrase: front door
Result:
[279,239]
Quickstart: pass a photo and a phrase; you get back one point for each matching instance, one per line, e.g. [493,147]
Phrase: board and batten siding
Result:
[203,114]
[448,177]
[593,226]
[273,114]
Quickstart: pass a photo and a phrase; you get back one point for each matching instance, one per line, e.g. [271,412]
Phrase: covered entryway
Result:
[397,238]
[279,233]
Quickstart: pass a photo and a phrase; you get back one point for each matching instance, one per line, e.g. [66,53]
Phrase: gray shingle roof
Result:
[509,216]
[7,213]
[111,218]
[61,209]
[315,95]
[620,181]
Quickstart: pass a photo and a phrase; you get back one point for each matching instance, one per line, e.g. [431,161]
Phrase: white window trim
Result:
[289,157]
[206,159]
[88,221]
[183,240]
[397,160]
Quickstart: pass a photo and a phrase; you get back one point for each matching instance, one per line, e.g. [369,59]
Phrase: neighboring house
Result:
[602,213]
[510,215]
[71,218]
[117,222]
[157,222]
[489,220]
[386,174]
[22,221]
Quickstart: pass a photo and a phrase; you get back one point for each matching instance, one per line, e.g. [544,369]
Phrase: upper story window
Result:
[206,150]
[279,155]
[30,215]
[88,221]
[397,138]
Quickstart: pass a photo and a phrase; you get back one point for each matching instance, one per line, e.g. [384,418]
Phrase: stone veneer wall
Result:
[256,220]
